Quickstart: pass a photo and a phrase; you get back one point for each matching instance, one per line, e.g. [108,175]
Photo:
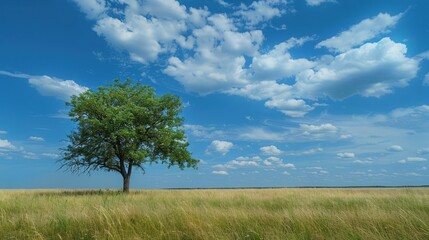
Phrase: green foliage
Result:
[125,125]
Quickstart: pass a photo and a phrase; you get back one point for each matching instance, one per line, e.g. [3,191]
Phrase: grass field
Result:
[216,214]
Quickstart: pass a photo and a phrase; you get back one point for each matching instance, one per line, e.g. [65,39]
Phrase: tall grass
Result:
[216,214]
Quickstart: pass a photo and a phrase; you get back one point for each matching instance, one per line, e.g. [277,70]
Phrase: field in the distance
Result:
[401,213]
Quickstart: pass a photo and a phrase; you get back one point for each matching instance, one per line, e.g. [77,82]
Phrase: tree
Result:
[125,125]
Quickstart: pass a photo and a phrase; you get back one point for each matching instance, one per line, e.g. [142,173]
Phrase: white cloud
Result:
[222,147]
[278,63]
[346,155]
[218,62]
[260,134]
[254,159]
[203,132]
[149,28]
[267,163]
[239,162]
[208,74]
[37,139]
[61,89]
[287,165]
[413,159]
[361,32]
[312,151]
[314,3]
[3,132]
[244,163]
[211,52]
[346,136]
[163,9]
[274,159]
[410,112]
[144,39]
[223,3]
[286,173]
[290,107]
[275,65]
[315,168]
[30,155]
[423,151]
[261,11]
[395,148]
[51,86]
[220,172]
[372,70]
[92,8]
[262,90]
[51,155]
[6,145]
[318,130]
[270,150]
[362,161]
[426,80]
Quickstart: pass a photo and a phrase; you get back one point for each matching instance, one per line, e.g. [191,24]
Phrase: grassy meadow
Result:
[401,213]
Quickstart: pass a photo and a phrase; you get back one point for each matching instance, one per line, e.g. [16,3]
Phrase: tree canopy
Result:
[125,126]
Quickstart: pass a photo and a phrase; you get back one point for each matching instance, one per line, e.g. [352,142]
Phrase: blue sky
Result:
[276,92]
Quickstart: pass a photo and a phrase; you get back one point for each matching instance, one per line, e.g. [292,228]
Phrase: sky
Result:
[276,93]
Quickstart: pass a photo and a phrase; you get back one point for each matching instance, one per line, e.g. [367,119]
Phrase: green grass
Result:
[216,214]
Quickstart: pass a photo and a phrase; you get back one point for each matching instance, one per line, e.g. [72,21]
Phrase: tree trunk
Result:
[126,187]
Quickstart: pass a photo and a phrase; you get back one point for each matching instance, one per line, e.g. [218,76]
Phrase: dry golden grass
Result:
[216,214]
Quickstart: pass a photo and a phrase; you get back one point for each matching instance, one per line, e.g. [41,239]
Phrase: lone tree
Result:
[123,126]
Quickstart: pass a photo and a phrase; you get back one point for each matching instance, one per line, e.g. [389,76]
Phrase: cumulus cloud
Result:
[149,28]
[218,62]
[240,162]
[307,152]
[3,132]
[262,90]
[6,145]
[372,70]
[222,147]
[287,165]
[395,148]
[261,11]
[279,95]
[314,3]
[144,39]
[51,86]
[361,32]
[412,159]
[271,163]
[220,172]
[346,155]
[290,107]
[270,150]
[36,139]
[423,151]
[92,8]
[318,131]
[215,53]
[279,63]
[276,162]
